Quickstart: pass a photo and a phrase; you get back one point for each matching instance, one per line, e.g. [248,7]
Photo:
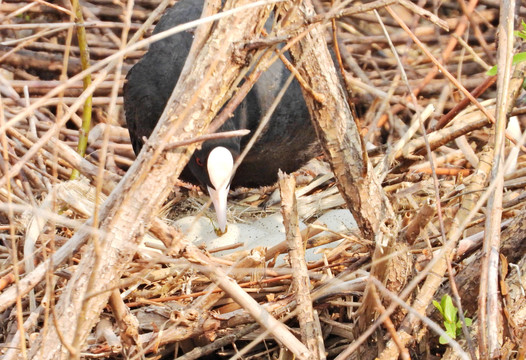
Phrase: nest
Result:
[70,286]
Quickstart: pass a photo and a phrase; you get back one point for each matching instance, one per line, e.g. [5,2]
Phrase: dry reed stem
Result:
[309,330]
[490,323]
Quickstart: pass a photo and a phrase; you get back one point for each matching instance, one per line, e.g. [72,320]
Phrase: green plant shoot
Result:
[452,323]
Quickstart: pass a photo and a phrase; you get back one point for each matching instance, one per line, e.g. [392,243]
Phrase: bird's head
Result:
[213,167]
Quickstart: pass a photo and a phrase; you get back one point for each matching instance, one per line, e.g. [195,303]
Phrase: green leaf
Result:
[450,311]
[459,328]
[492,71]
[517,58]
[442,340]
[439,307]
[521,33]
[451,329]
[469,322]
[443,303]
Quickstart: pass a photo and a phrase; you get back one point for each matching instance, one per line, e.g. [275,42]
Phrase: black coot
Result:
[287,143]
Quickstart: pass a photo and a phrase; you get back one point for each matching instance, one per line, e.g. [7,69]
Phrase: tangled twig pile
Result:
[93,268]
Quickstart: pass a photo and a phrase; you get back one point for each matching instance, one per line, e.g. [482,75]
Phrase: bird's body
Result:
[287,142]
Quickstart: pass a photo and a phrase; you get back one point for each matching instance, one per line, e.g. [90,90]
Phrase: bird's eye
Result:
[199,161]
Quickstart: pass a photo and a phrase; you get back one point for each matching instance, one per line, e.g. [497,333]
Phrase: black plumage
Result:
[287,143]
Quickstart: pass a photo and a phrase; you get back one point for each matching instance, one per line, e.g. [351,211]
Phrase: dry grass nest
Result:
[357,297]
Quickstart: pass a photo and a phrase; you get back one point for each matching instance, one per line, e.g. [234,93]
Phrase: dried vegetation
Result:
[451,217]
